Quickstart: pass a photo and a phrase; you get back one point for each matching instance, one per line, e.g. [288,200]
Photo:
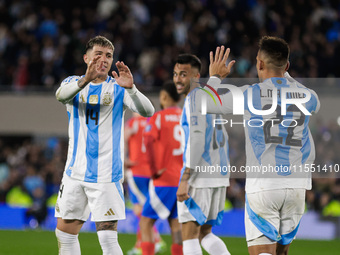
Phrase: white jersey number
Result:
[178,137]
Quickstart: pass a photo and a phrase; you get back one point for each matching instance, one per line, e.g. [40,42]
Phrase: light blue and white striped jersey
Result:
[96,142]
[279,148]
[206,149]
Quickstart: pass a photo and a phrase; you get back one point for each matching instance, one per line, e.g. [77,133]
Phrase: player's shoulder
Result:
[111,80]
[71,78]
[156,115]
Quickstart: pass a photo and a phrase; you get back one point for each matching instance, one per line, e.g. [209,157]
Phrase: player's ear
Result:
[86,59]
[287,66]
[261,64]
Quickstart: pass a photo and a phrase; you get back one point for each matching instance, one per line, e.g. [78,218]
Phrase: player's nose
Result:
[176,79]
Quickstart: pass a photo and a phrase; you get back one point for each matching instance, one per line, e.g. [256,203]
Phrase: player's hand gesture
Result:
[125,78]
[92,71]
[218,63]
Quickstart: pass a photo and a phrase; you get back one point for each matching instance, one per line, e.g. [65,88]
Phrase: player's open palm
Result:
[93,69]
[218,63]
[124,77]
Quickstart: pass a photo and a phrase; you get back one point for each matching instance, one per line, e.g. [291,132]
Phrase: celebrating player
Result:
[201,197]
[163,145]
[275,200]
[93,174]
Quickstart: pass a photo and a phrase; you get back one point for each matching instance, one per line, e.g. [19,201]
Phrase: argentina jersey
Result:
[279,146]
[95,114]
[206,149]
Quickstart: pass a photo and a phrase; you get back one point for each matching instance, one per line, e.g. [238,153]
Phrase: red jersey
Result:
[165,129]
[137,151]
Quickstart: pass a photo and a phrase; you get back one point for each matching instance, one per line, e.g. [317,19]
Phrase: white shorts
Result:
[76,199]
[273,216]
[205,205]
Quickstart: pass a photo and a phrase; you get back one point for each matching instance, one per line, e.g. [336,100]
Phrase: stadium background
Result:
[42,42]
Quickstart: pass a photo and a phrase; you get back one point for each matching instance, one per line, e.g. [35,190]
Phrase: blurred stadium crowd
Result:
[42,42]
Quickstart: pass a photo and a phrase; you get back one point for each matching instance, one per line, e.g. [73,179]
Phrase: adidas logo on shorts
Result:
[109,212]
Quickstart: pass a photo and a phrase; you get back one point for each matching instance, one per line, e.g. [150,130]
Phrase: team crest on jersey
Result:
[107,100]
[93,99]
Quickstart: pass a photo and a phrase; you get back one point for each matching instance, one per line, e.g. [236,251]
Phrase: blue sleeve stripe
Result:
[185,127]
[262,225]
[117,122]
[312,103]
[208,137]
[92,139]
[76,125]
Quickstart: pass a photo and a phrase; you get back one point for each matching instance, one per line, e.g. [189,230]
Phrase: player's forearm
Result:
[185,175]
[140,103]
[69,91]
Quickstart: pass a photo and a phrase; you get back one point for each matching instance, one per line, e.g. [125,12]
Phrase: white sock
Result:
[192,247]
[68,244]
[108,240]
[265,253]
[214,245]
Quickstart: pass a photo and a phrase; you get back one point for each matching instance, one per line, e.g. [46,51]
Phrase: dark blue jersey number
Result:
[290,130]
[91,114]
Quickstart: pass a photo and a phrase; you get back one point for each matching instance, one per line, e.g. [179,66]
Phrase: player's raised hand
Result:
[93,70]
[125,78]
[218,63]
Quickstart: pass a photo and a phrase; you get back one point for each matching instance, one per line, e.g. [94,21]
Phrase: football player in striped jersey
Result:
[201,195]
[279,144]
[92,181]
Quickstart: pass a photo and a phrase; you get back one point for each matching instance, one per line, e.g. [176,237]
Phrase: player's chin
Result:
[180,90]
[104,72]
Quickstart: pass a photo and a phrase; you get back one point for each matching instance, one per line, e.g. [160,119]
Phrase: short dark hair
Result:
[190,59]
[99,40]
[170,87]
[276,49]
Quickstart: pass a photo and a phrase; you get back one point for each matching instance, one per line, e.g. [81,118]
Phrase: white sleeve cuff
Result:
[133,90]
[214,80]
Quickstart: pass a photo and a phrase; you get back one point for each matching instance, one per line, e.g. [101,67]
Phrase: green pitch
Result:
[44,242]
